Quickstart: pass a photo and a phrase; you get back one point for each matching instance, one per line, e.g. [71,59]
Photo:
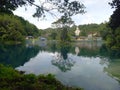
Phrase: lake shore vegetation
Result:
[11,79]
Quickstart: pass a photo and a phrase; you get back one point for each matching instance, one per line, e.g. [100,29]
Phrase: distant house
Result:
[29,37]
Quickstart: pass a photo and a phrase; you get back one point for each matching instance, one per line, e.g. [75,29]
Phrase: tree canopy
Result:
[115,17]
[62,22]
[113,36]
[62,6]
[15,29]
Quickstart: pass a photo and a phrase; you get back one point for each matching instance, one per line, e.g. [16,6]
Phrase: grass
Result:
[114,69]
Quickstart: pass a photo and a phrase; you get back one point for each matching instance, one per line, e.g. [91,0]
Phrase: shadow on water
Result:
[106,52]
[16,55]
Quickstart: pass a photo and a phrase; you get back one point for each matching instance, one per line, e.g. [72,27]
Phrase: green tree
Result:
[66,8]
[64,22]
[10,29]
[114,20]
[53,35]
[15,29]
[114,33]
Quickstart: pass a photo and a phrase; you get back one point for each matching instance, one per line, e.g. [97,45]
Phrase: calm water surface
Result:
[83,64]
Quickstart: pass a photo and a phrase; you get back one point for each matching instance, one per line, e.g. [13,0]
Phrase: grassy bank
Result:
[11,79]
[114,69]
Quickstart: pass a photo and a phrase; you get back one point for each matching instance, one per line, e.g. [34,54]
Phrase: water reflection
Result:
[77,50]
[32,42]
[85,64]
[61,60]
[89,45]
[106,52]
[16,55]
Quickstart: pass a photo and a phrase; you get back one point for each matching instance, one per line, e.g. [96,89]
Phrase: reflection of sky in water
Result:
[87,72]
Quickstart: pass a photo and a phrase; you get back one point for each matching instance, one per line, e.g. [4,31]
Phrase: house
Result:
[29,37]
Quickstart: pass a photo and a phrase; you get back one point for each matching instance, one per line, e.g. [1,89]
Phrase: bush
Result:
[11,79]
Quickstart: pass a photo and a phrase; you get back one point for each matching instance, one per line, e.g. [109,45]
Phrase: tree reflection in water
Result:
[62,60]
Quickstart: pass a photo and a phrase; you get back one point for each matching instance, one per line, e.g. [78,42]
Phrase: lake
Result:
[89,65]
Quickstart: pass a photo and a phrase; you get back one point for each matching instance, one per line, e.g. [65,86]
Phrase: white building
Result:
[77,31]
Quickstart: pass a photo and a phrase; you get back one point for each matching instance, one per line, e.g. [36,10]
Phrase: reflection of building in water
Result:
[63,64]
[30,43]
[29,37]
[89,45]
[90,36]
[77,50]
[40,42]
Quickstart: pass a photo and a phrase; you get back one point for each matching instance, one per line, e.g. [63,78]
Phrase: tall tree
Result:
[114,33]
[115,17]
[11,29]
[64,22]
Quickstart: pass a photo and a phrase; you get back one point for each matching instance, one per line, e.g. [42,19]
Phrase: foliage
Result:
[108,52]
[113,36]
[63,21]
[113,39]
[53,35]
[66,8]
[14,29]
[64,37]
[101,30]
[72,7]
[8,5]
[114,20]
[10,29]
[11,79]
[28,28]
[16,55]
[88,29]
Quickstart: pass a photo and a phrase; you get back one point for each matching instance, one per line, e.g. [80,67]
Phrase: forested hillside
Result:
[14,29]
[54,33]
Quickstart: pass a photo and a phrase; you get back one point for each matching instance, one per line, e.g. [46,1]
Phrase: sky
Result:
[97,11]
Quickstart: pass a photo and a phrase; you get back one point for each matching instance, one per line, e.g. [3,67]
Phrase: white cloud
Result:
[89,19]
[83,19]
[27,15]
[98,11]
